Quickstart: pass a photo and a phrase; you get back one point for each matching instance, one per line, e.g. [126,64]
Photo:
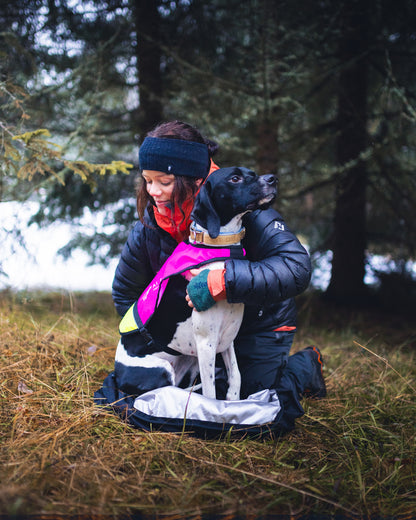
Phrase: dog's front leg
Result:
[206,339]
[206,360]
[234,376]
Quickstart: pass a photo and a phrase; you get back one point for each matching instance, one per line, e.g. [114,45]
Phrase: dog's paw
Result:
[232,396]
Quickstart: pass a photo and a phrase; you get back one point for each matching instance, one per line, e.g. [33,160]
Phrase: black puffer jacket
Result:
[276,268]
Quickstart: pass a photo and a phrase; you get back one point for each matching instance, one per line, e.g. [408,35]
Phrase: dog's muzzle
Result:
[269,186]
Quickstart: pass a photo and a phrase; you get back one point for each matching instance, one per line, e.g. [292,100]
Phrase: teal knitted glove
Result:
[199,293]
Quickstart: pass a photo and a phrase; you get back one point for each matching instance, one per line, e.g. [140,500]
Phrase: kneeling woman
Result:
[174,160]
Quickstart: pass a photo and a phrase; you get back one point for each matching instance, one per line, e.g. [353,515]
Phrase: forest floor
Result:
[351,455]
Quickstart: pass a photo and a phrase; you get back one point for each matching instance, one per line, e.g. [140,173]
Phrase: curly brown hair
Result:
[185,187]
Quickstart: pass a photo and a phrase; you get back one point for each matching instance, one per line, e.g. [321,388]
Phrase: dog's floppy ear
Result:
[204,213]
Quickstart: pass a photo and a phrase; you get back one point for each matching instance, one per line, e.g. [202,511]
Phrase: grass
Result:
[352,454]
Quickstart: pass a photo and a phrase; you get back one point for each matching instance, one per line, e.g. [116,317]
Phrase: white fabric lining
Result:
[176,403]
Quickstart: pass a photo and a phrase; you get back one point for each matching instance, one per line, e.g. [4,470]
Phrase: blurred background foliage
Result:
[322,94]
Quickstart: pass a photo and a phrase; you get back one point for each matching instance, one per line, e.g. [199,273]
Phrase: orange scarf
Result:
[177,223]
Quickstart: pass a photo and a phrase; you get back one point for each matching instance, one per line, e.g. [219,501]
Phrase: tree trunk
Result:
[267,146]
[147,25]
[349,235]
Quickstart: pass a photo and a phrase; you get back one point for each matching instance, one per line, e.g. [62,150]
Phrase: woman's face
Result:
[159,186]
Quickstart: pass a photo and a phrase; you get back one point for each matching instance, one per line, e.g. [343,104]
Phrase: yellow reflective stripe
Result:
[128,323]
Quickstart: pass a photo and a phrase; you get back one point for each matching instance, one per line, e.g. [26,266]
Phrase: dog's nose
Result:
[270,179]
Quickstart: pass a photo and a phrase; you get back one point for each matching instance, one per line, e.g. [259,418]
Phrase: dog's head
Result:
[229,192]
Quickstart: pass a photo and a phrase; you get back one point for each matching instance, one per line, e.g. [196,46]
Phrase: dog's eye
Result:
[235,178]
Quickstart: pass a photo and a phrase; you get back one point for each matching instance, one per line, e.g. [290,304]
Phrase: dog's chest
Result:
[216,327]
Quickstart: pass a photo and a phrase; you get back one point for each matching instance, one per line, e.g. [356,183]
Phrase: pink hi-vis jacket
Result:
[184,257]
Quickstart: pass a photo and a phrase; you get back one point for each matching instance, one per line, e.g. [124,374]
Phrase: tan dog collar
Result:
[201,237]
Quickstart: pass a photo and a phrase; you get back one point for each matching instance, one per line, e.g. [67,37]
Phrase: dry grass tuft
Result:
[352,453]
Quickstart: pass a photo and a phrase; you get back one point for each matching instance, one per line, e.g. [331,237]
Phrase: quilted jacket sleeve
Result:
[277,266]
[133,272]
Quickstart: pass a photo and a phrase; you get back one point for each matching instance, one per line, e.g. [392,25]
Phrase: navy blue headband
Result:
[174,156]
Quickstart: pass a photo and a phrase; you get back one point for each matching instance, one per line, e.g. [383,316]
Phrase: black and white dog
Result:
[224,198]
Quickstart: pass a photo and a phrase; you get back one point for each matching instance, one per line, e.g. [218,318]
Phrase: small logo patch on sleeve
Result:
[279,226]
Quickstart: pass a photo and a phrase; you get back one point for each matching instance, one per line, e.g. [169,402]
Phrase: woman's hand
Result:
[205,288]
[189,275]
[188,299]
